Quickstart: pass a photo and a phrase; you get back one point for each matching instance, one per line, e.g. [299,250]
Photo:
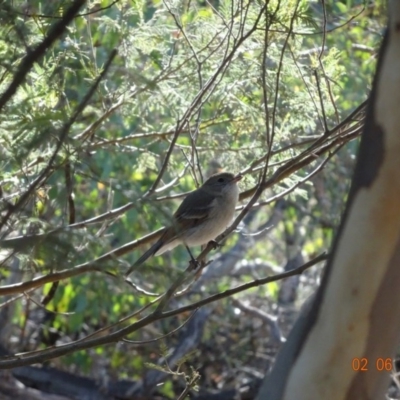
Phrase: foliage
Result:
[250,84]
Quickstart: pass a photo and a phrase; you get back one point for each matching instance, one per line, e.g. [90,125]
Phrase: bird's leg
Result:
[193,262]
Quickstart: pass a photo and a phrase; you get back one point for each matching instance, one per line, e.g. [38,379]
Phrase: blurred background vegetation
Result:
[195,86]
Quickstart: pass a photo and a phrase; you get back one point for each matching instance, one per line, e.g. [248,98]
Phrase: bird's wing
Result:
[196,205]
[193,209]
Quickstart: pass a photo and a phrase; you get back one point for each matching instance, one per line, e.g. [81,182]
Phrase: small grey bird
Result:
[201,217]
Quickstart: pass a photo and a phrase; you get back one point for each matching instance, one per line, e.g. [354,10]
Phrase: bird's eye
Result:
[221,180]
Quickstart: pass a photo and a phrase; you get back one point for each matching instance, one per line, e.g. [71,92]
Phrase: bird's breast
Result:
[220,217]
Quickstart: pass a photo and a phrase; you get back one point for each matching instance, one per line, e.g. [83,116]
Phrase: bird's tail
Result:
[150,252]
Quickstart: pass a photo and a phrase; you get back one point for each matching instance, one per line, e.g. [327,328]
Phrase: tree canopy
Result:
[110,111]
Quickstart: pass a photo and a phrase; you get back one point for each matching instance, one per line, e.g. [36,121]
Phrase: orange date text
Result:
[364,364]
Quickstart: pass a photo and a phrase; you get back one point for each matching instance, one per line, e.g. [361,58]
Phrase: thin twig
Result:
[27,63]
[142,342]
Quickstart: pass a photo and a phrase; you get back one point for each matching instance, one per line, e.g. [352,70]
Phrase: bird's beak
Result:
[237,178]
